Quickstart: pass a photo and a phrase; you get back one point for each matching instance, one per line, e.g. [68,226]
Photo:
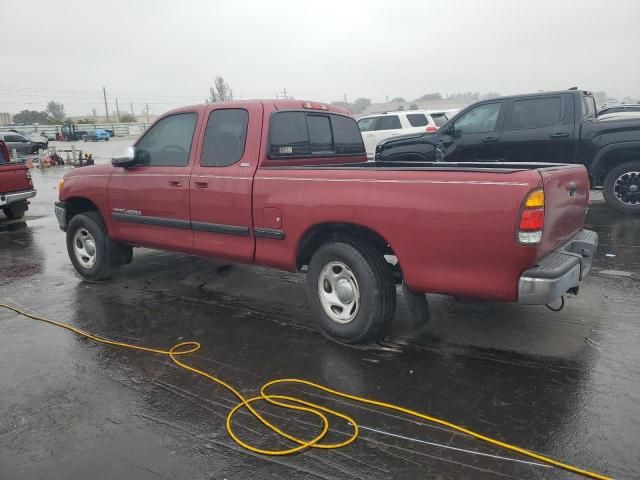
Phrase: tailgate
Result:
[13,178]
[566,193]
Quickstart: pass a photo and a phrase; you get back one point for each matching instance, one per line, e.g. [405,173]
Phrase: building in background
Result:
[5,118]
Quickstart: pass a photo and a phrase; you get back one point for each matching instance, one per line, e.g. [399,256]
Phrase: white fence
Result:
[119,129]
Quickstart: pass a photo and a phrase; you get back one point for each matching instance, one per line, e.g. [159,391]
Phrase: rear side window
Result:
[389,122]
[535,112]
[168,142]
[417,119]
[302,134]
[439,119]
[368,124]
[224,138]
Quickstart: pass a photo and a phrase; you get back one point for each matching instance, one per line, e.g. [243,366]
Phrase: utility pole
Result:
[106,109]
[146,108]
[132,112]
[345,98]
[117,109]
[93,110]
[284,93]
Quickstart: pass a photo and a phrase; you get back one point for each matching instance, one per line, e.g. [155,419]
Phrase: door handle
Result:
[200,184]
[559,135]
[175,183]
[490,140]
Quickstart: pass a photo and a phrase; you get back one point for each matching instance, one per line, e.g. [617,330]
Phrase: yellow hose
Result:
[293,403]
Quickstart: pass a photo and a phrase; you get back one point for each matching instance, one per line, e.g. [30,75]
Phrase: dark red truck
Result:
[286,184]
[16,186]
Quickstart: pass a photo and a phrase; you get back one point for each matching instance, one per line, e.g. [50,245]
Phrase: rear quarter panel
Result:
[452,232]
[13,178]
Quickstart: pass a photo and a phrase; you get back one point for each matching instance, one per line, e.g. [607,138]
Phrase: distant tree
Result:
[220,92]
[53,121]
[56,110]
[398,99]
[400,107]
[30,117]
[83,121]
[360,104]
[413,106]
[127,118]
[431,96]
[464,96]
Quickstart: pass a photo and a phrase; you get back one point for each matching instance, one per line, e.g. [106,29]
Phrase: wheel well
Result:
[330,232]
[611,160]
[79,205]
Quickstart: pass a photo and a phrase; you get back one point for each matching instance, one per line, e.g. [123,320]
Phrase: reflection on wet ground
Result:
[565,384]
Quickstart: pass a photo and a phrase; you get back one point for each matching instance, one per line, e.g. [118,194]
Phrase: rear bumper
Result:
[9,198]
[560,271]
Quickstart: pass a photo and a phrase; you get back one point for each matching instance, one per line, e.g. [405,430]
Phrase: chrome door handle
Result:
[200,184]
[175,183]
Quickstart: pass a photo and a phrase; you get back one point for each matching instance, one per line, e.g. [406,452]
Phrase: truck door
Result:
[222,182]
[539,129]
[149,201]
[474,135]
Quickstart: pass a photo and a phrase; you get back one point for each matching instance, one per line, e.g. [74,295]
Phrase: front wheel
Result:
[351,291]
[89,246]
[621,188]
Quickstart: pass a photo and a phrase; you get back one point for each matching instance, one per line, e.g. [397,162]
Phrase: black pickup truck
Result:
[557,127]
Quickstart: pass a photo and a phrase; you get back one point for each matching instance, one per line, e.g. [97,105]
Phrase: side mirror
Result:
[126,160]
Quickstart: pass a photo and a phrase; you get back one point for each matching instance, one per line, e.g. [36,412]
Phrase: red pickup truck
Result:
[16,186]
[286,184]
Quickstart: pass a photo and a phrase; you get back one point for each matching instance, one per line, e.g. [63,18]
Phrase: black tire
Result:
[613,192]
[377,299]
[15,211]
[104,265]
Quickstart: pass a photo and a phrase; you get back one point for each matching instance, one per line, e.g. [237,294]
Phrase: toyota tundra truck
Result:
[16,186]
[286,184]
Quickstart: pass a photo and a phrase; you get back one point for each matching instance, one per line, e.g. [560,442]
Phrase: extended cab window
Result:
[535,113]
[304,134]
[417,119]
[389,122]
[224,138]
[482,118]
[168,142]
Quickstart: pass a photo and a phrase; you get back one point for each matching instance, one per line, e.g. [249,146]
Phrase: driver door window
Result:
[168,143]
[483,118]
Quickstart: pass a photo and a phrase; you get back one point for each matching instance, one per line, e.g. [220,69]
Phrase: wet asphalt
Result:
[563,384]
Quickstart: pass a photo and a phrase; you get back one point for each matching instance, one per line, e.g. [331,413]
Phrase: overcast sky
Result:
[167,53]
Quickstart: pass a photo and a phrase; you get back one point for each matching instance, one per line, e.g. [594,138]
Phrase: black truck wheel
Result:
[351,292]
[621,188]
[15,211]
[93,254]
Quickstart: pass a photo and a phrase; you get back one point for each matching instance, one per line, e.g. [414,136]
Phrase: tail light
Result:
[432,128]
[531,221]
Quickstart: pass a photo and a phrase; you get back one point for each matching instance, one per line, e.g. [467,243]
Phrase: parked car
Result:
[16,186]
[376,128]
[626,107]
[286,184]
[557,127]
[41,142]
[96,136]
[18,142]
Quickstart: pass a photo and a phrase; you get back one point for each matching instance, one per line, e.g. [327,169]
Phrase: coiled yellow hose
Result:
[185,348]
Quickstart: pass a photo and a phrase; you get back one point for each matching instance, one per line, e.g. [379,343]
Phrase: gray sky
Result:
[167,53]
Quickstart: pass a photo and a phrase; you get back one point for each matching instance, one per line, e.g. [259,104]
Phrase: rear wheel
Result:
[351,291]
[621,188]
[15,211]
